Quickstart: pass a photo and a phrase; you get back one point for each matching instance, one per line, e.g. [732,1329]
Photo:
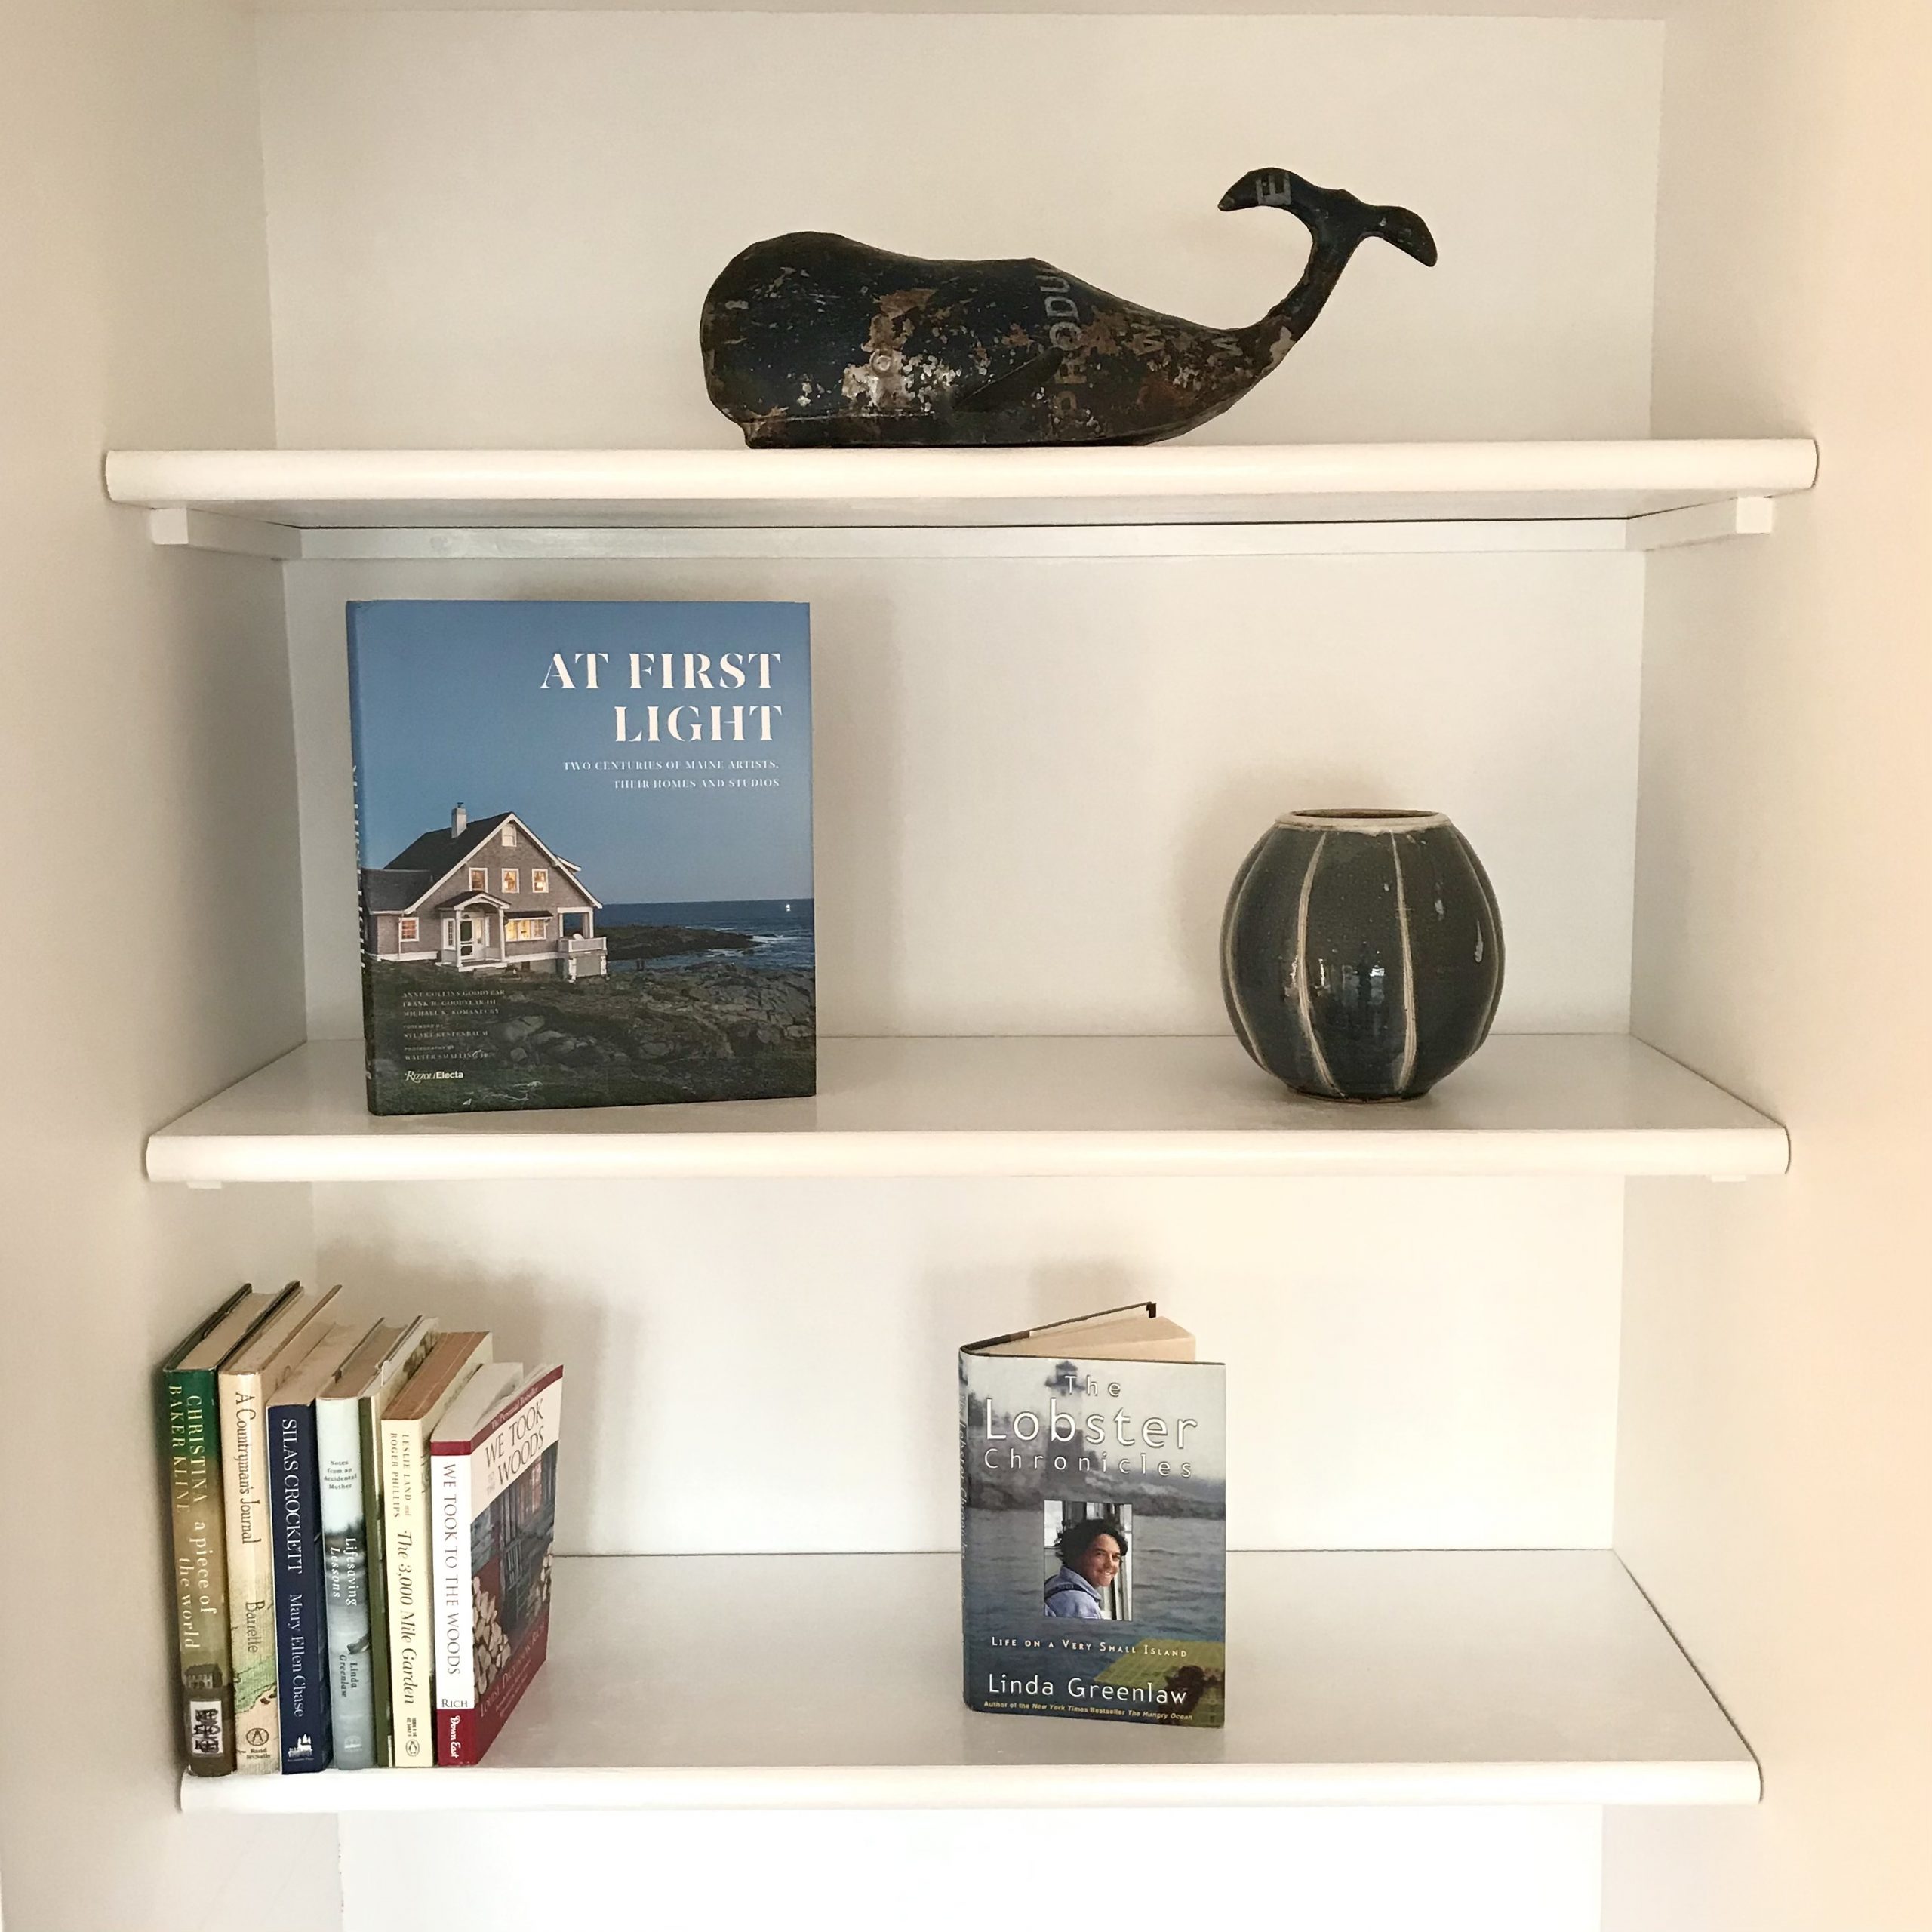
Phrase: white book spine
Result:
[346,1581]
[456,1614]
[406,1527]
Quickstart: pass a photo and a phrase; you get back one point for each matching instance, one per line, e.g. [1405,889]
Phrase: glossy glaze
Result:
[1361,952]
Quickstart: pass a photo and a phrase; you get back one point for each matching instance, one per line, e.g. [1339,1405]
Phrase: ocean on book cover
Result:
[585,840]
[1094,1534]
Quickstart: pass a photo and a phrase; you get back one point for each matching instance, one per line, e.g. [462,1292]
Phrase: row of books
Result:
[361,1517]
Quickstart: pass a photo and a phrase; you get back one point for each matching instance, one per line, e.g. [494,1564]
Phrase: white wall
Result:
[154,952]
[1776,1433]
[1421,1365]
[1033,781]
[499,228]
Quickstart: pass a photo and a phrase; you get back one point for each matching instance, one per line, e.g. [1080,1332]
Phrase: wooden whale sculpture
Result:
[815,341]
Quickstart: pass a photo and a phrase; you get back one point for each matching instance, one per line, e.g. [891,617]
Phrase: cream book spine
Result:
[242,1399]
[406,1537]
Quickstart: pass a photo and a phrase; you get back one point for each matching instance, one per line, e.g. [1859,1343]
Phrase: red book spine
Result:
[456,1737]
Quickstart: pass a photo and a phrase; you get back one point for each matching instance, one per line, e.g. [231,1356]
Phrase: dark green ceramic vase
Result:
[1362,955]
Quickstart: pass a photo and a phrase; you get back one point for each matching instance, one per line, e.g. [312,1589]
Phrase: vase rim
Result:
[1362,818]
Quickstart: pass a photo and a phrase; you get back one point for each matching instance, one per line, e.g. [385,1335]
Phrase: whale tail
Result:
[1337,223]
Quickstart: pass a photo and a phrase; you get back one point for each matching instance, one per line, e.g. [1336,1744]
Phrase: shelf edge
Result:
[990,1787]
[1681,1153]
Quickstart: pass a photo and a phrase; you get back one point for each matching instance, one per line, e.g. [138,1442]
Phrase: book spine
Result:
[376,1091]
[455,1615]
[374,1540]
[406,1532]
[301,1632]
[193,1439]
[965,1521]
[250,1573]
[345,1582]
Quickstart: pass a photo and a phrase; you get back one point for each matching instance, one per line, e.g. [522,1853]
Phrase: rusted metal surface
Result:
[812,341]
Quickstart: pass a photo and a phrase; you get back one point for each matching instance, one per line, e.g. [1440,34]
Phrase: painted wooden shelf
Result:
[1182,496]
[1526,1104]
[1483,1677]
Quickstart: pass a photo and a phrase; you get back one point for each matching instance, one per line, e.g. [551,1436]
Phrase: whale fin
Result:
[1013,385]
[1337,221]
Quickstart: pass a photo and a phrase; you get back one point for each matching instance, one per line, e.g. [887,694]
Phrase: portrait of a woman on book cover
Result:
[1091,1580]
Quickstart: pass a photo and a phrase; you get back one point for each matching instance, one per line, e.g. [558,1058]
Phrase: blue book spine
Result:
[301,1634]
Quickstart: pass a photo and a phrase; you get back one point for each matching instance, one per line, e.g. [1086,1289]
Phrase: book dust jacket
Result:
[1094,1537]
[585,839]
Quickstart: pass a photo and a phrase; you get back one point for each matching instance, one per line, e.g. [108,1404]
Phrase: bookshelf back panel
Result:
[1035,780]
[499,228]
[770,1366]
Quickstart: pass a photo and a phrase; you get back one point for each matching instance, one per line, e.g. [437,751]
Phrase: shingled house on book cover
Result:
[586,839]
[1093,1492]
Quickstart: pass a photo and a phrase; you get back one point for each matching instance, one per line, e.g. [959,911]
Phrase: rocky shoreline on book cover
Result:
[585,837]
[1094,1523]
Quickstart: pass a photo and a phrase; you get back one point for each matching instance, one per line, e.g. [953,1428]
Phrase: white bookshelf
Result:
[1526,1104]
[1207,499]
[822,1683]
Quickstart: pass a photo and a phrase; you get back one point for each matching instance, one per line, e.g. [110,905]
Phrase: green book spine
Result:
[193,1449]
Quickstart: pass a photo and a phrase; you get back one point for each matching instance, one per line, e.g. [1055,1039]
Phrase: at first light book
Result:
[585,832]
[1093,1490]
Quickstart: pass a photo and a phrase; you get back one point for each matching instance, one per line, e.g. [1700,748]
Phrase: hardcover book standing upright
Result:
[191,1445]
[494,1463]
[300,1608]
[247,1379]
[1093,1468]
[350,1464]
[585,847]
[405,1431]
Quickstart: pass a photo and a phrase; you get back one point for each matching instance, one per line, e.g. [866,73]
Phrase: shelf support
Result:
[1702,523]
[178,528]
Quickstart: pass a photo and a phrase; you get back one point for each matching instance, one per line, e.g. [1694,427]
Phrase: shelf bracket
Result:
[178,528]
[1701,523]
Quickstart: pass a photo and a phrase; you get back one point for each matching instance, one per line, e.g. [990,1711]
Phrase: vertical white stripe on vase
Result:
[1303,1009]
[1408,1073]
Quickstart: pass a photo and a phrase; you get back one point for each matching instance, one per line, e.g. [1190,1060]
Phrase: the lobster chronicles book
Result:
[585,840]
[1092,1474]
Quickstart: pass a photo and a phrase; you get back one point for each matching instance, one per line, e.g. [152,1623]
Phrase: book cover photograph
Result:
[1093,1469]
[495,1464]
[585,839]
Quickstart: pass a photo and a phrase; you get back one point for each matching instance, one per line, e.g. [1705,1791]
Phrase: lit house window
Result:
[509,835]
[510,878]
[405,931]
[479,879]
[540,879]
[530,928]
